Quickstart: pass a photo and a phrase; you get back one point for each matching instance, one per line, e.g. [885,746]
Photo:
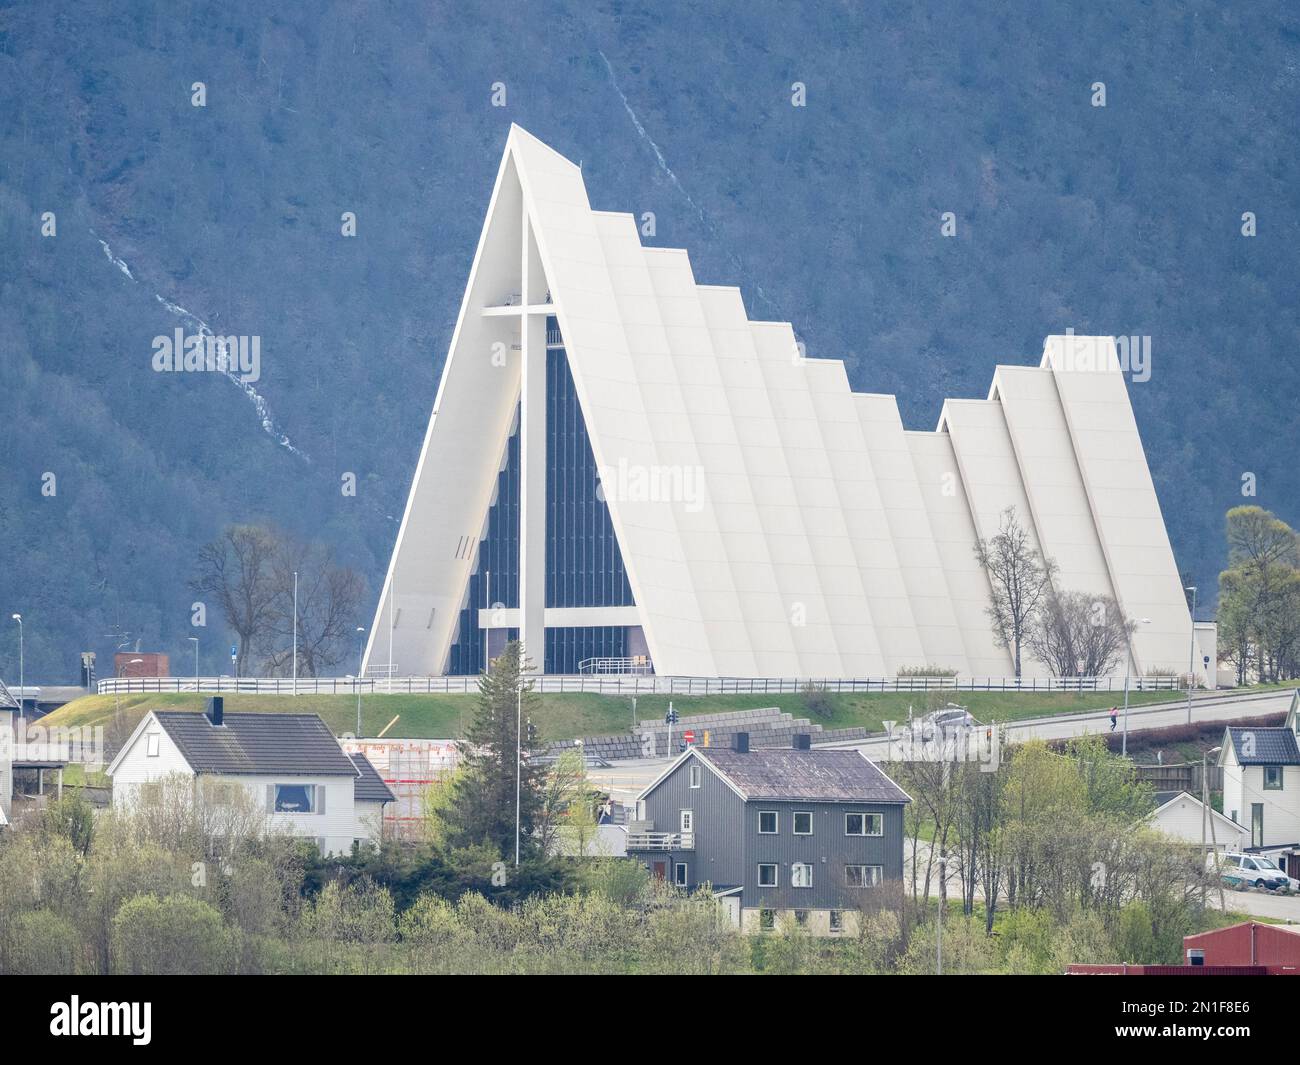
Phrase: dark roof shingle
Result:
[811,776]
[1264,746]
[257,743]
[370,785]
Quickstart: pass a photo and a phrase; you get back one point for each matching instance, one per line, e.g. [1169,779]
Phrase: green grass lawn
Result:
[564,716]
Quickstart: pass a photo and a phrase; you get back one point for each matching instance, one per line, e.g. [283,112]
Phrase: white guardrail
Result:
[610,684]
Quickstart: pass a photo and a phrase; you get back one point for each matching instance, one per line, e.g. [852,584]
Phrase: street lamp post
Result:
[519,721]
[1128,669]
[295,632]
[195,641]
[22,683]
[121,672]
[1191,654]
[360,655]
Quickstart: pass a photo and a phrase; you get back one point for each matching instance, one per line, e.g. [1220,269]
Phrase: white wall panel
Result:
[828,541]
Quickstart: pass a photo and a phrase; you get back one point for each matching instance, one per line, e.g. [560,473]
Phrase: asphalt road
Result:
[624,780]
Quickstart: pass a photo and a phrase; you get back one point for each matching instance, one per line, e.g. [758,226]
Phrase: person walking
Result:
[1114,717]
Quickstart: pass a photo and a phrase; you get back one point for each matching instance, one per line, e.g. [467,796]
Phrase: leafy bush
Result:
[176,935]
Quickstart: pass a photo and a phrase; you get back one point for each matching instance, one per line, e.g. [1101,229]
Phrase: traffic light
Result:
[672,717]
[530,733]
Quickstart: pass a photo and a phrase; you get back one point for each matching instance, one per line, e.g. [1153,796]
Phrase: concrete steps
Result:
[767,727]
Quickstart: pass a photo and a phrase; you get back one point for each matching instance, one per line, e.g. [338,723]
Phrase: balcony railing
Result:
[634,664]
[661,841]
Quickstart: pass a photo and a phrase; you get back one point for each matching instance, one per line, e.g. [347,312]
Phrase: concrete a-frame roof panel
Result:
[824,539]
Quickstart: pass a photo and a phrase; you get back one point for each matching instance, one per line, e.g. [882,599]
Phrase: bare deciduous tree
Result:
[235,570]
[328,599]
[1020,579]
[248,570]
[1079,635]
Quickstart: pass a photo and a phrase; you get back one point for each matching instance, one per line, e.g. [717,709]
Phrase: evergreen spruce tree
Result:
[483,804]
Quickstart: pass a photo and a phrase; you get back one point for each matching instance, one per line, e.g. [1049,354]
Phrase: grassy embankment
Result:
[564,716]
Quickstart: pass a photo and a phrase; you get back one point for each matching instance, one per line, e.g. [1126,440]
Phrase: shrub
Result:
[41,943]
[176,935]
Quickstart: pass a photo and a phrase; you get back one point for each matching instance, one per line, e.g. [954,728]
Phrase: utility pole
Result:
[295,632]
[360,655]
[1128,669]
[195,641]
[943,880]
[1205,816]
[1191,655]
[22,683]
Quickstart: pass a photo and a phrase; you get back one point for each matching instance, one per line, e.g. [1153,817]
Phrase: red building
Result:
[141,664]
[1166,970]
[1276,947]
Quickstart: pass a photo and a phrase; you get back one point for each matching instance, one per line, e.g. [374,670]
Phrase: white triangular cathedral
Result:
[621,467]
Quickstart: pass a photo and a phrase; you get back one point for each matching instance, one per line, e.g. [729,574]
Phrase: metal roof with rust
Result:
[803,775]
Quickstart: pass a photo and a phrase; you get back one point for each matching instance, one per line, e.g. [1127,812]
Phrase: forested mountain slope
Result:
[1124,219]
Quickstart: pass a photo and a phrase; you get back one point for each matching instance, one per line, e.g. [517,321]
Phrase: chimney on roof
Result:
[802,741]
[740,742]
[216,709]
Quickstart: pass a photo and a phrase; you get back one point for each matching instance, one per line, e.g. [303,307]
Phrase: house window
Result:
[801,918]
[862,875]
[801,875]
[767,822]
[1272,778]
[767,876]
[223,794]
[803,824]
[695,772]
[294,798]
[688,820]
[837,920]
[150,793]
[863,825]
[679,874]
[766,920]
[152,744]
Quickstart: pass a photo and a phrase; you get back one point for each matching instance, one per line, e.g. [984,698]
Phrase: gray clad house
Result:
[815,834]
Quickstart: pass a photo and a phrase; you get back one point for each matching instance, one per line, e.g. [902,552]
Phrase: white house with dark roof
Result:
[1183,817]
[370,795]
[813,834]
[291,764]
[1261,782]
